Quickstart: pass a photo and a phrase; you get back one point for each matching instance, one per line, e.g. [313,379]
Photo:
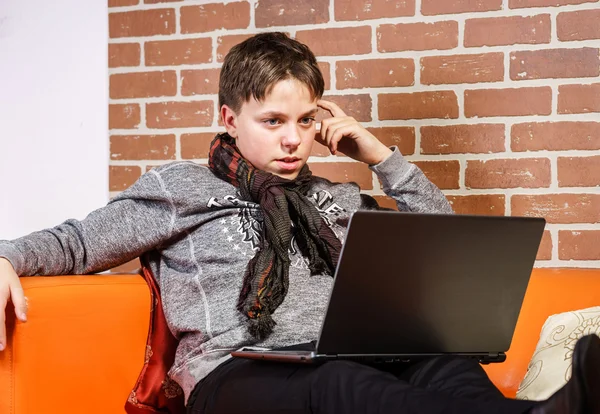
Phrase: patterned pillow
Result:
[550,366]
[154,392]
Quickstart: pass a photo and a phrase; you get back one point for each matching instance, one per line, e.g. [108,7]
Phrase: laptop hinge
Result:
[493,357]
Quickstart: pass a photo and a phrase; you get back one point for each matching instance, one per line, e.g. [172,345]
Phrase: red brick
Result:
[418,105]
[121,177]
[508,173]
[225,43]
[270,13]
[142,147]
[344,172]
[578,245]
[123,116]
[545,249]
[517,4]
[386,202]
[143,84]
[178,52]
[401,136]
[319,150]
[161,1]
[200,82]
[194,146]
[508,102]
[374,73]
[578,99]
[486,67]
[432,7]
[497,31]
[337,41]
[484,204]
[142,23]
[179,114]
[210,17]
[123,54]
[578,25]
[325,71]
[555,136]
[356,106]
[417,36]
[121,3]
[444,174]
[456,139]
[374,9]
[579,171]
[558,208]
[555,63]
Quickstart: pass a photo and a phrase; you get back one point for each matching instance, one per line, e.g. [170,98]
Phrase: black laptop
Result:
[411,285]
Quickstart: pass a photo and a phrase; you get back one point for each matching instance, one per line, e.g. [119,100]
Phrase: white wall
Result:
[53,112]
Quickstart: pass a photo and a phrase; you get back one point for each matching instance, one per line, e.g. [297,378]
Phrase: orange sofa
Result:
[83,345]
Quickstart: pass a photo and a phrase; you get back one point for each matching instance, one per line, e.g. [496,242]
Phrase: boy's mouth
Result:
[289,159]
[289,163]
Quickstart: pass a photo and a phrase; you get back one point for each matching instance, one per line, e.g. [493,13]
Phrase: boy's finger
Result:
[3,303]
[328,125]
[338,134]
[332,107]
[19,301]
[332,131]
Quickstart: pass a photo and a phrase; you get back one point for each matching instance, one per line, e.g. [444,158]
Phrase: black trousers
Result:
[435,385]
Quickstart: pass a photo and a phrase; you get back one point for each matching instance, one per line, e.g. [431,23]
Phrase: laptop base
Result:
[310,357]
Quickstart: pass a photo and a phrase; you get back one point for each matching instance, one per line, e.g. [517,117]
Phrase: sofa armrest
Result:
[82,347]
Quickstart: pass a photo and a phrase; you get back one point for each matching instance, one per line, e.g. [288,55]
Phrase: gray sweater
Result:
[198,237]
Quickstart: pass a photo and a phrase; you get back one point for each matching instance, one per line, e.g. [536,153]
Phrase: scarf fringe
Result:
[261,327]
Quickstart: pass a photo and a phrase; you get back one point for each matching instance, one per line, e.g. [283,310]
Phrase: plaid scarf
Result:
[284,204]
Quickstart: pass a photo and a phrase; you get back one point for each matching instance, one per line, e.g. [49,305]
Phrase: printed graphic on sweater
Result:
[249,222]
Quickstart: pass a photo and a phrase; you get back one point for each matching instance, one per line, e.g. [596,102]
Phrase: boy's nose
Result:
[292,138]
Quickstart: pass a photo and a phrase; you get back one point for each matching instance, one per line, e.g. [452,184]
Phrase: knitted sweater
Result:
[197,236]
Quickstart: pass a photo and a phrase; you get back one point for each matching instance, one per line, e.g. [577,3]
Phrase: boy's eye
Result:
[307,120]
[272,121]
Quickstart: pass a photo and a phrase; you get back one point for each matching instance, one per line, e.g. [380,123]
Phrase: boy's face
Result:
[277,134]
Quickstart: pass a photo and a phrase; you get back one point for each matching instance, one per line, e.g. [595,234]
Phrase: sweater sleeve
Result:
[406,183]
[137,220]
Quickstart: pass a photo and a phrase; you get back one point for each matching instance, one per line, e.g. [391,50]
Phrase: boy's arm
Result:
[139,219]
[402,181]
[406,183]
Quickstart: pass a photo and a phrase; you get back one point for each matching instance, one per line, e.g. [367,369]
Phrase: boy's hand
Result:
[345,134]
[10,289]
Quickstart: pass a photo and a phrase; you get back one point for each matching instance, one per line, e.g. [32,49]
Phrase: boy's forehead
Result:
[286,98]
[276,109]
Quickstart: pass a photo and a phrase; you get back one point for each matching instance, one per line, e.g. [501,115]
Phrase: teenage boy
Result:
[244,251]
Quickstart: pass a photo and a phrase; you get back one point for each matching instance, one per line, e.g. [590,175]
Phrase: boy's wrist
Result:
[4,262]
[381,156]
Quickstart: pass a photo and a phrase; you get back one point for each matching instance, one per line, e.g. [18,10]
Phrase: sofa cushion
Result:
[550,366]
[154,392]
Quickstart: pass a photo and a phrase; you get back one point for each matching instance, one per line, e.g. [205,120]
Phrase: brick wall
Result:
[497,101]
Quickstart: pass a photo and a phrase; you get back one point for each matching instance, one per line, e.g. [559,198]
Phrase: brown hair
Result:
[253,67]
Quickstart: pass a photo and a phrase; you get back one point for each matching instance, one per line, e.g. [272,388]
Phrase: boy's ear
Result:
[229,118]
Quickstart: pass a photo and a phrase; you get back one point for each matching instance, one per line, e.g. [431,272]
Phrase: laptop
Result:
[411,285]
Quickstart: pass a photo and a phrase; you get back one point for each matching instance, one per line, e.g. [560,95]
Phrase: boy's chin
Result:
[286,175]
